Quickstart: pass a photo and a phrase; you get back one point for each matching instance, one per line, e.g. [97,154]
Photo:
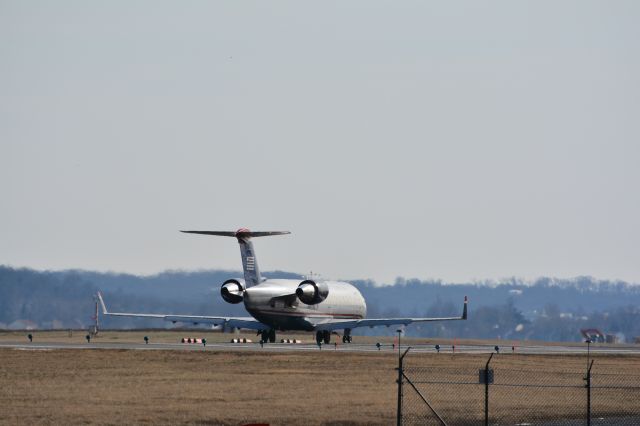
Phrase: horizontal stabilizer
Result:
[240,233]
[249,262]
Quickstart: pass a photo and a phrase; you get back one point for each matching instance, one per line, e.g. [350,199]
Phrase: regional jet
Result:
[287,304]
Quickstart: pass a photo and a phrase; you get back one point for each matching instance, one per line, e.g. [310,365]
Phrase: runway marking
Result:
[284,347]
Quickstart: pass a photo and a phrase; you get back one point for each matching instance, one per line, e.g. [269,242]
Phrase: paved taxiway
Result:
[353,347]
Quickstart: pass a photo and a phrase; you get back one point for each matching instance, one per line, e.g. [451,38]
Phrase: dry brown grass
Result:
[116,387]
[217,387]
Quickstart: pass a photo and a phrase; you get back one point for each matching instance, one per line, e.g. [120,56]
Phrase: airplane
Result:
[287,304]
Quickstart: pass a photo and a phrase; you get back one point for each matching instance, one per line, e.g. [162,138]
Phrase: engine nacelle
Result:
[311,293]
[232,291]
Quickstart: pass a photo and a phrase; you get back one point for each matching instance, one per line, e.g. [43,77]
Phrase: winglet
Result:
[104,307]
[464,309]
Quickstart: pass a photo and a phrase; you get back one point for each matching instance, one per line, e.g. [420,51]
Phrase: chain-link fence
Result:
[518,390]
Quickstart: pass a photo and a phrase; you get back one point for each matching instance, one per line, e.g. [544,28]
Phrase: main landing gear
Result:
[346,337]
[323,336]
[268,336]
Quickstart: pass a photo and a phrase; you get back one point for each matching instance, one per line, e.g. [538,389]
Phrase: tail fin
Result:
[249,263]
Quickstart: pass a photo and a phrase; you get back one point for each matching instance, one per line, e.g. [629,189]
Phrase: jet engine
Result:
[232,291]
[312,293]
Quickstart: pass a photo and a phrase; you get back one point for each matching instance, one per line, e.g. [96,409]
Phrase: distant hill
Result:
[547,309]
[582,294]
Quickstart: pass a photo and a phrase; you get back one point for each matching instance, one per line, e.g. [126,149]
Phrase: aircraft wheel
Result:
[272,336]
[349,339]
[318,337]
[264,336]
[344,339]
[326,336]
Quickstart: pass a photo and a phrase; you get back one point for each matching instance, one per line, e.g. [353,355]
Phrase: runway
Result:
[353,347]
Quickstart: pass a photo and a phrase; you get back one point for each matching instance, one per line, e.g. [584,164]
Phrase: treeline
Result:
[547,309]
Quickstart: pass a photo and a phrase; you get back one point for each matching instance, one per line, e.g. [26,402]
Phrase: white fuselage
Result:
[274,303]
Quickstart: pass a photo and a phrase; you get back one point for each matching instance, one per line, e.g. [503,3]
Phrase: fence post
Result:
[486,391]
[588,386]
[400,376]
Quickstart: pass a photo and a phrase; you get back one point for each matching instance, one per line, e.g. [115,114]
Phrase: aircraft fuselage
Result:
[273,303]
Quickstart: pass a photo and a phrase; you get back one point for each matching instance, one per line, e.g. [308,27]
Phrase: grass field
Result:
[217,387]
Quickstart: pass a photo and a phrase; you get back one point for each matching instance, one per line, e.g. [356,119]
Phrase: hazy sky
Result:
[452,140]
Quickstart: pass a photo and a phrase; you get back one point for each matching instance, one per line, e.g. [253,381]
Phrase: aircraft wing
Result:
[375,322]
[225,322]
